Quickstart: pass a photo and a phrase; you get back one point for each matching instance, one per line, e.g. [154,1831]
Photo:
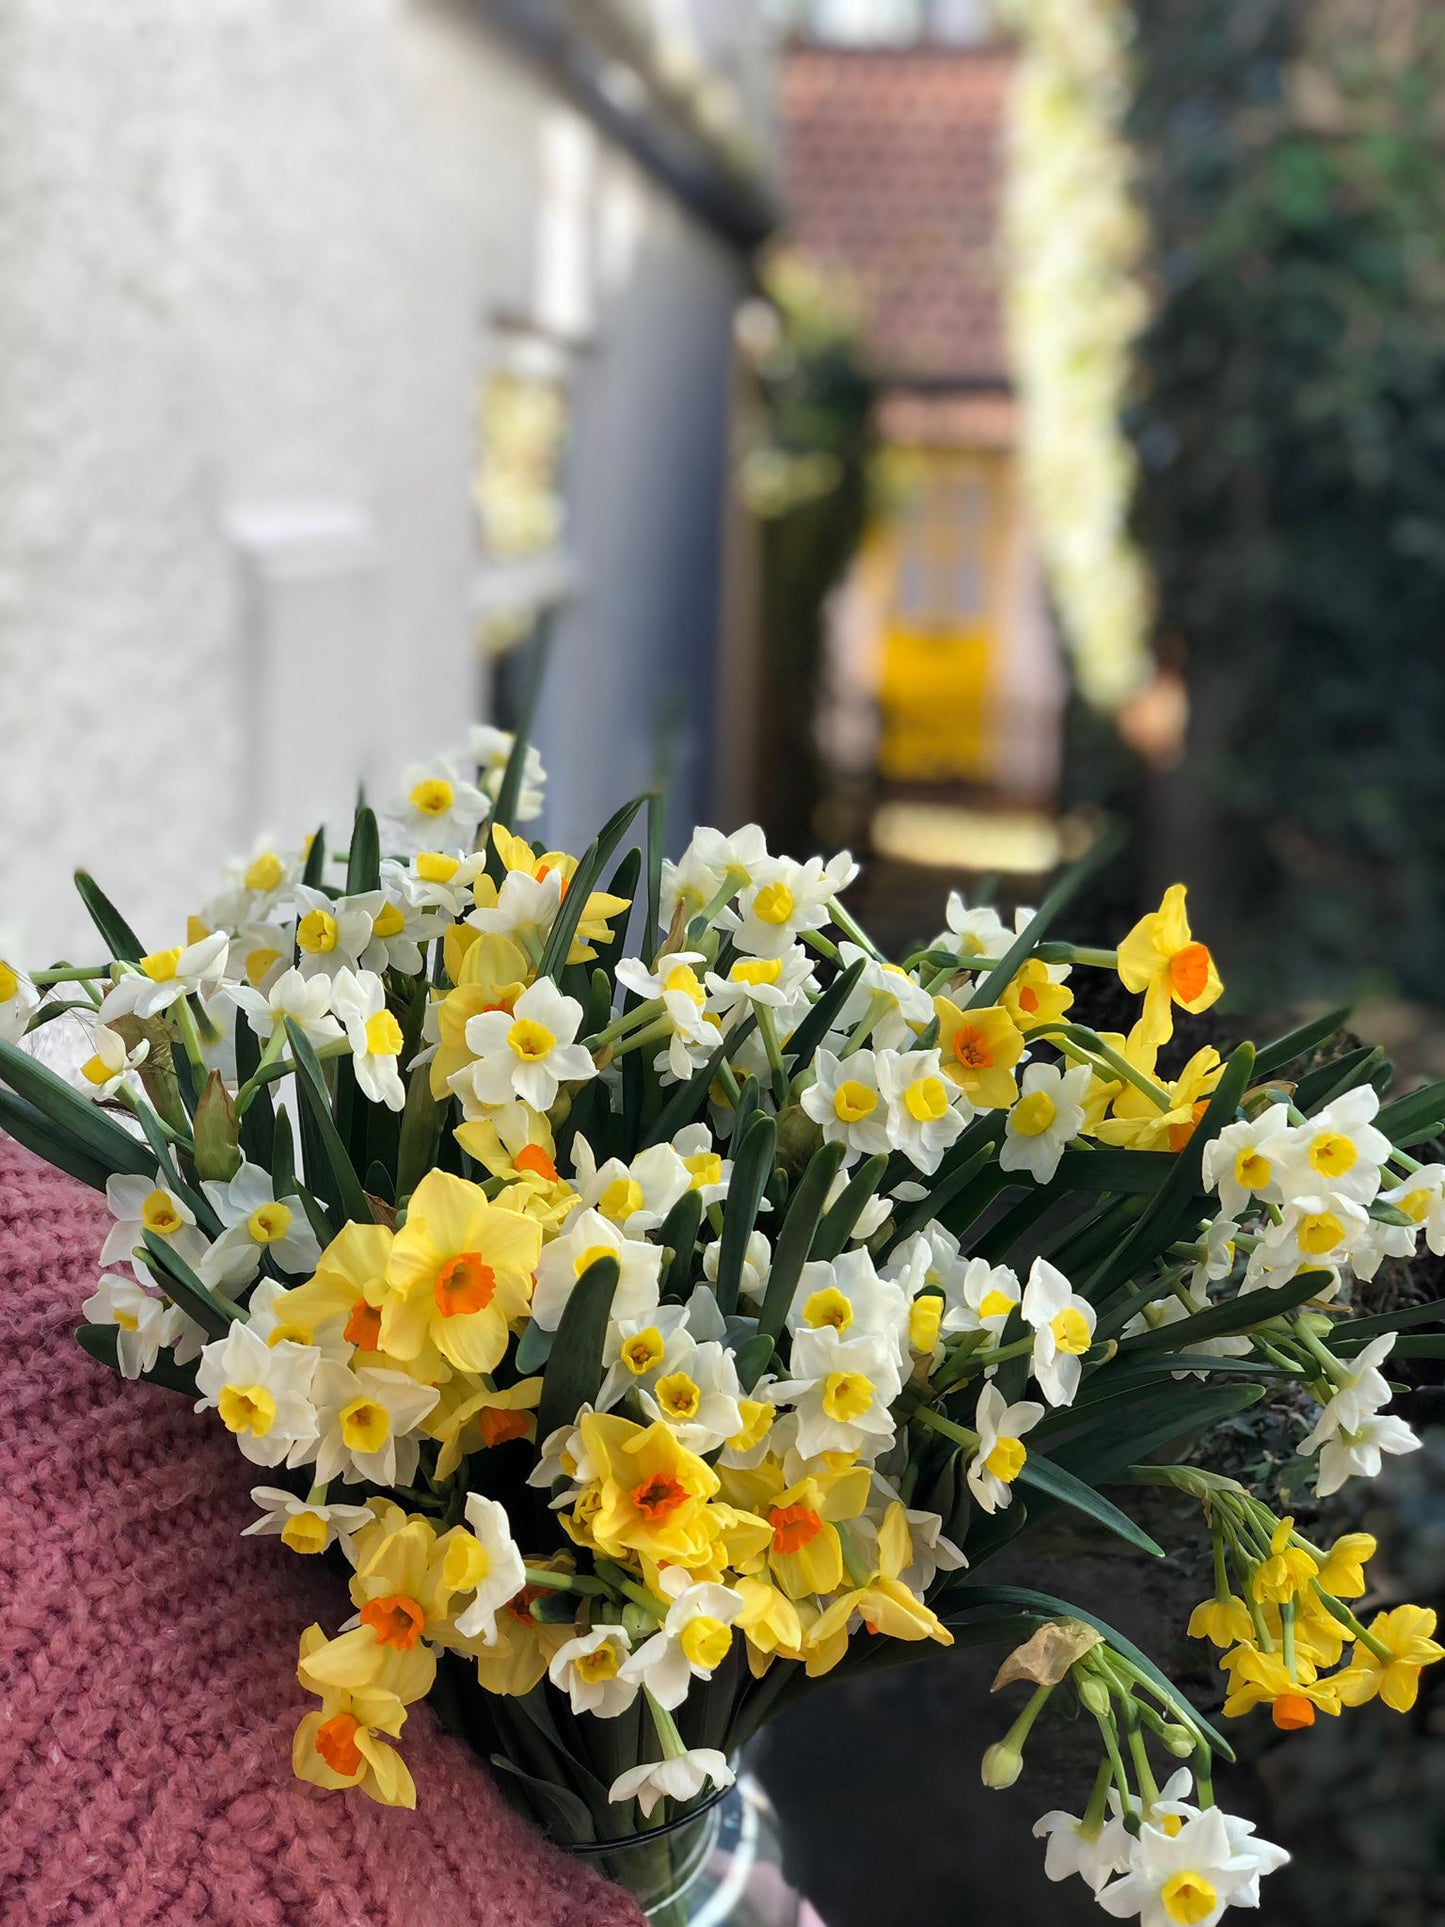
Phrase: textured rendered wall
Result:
[252,255]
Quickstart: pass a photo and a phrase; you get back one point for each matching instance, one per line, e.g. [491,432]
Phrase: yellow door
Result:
[942,553]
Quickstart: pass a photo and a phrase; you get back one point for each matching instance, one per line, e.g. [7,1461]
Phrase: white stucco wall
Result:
[252,254]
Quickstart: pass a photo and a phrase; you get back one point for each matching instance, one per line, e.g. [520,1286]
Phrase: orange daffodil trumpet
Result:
[657,1318]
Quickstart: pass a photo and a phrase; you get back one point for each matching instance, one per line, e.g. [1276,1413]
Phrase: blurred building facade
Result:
[337,342]
[945,672]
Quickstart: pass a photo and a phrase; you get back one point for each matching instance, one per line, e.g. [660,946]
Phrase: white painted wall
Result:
[251,257]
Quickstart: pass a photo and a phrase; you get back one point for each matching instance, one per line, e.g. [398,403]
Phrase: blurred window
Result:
[943,535]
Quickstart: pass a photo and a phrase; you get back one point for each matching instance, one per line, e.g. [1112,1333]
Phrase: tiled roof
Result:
[892,165]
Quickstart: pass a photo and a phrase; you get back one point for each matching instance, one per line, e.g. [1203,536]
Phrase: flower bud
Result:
[1093,1693]
[1001,1766]
[639,1625]
[218,1151]
[1179,1741]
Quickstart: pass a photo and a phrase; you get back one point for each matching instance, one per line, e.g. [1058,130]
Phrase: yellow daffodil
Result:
[1161,958]
[459,1271]
[342,1745]
[804,1553]
[653,1492]
[1407,1634]
[522,1651]
[769,1623]
[1343,1573]
[1223,1622]
[884,1605]
[519,858]
[1142,1124]
[1033,998]
[977,1051]
[1287,1572]
[1263,1679]
[466,1421]
[490,974]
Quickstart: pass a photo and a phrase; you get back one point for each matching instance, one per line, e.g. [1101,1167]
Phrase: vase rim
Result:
[584,1848]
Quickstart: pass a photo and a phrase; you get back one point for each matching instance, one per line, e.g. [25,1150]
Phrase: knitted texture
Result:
[147,1665]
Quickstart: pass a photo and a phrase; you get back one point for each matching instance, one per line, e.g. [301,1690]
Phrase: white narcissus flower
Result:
[256,1224]
[708,1172]
[982,1299]
[102,1074]
[1095,1857]
[435,879]
[1216,1259]
[590,1236]
[847,1294]
[786,898]
[710,861]
[1316,1231]
[1063,1327]
[262,1392]
[1353,1432]
[846,1100]
[505,1575]
[781,985]
[259,954]
[365,1424]
[1340,1151]
[676,985]
[682,1777]
[589,1669]
[267,1313]
[933,1551]
[972,933]
[527,1052]
[139,1205]
[400,932]
[1000,1454]
[692,1642]
[757,1263]
[374,1035]
[1048,1112]
[143,1322]
[1243,1162]
[841,1389]
[189,969]
[18,1002]
[926,1111]
[636,1197]
[305,1526]
[898,1004]
[490,749]
[695,1391]
[332,932]
[305,1000]
[1421,1197]
[1191,1875]
[438,807]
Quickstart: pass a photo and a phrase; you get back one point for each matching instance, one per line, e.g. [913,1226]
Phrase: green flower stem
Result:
[70,974]
[817,941]
[1064,1034]
[126,1096]
[1404,1162]
[1097,1811]
[1337,1609]
[629,1020]
[275,1045]
[543,1577]
[878,1005]
[190,1036]
[1109,1733]
[1139,1753]
[698,926]
[1204,1776]
[853,930]
[629,1588]
[1333,1370]
[1057,952]
[317,1494]
[768,1031]
[652,1033]
[936,1422]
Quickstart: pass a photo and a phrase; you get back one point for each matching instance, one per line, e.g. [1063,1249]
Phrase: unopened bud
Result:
[1093,1693]
[1002,1764]
[639,1625]
[1179,1741]
[217,1134]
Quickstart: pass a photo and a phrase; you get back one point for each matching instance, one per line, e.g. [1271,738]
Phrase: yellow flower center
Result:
[389,921]
[683,977]
[464,1284]
[247,1408]
[679,1396]
[599,1665]
[266,872]
[530,1040]
[773,903]
[756,970]
[268,1222]
[643,1351]
[433,867]
[590,1257]
[1071,1331]
[159,1214]
[1319,1232]
[466,1563]
[1006,1460]
[924,1321]
[434,797]
[926,1099]
[1188,1898]
[757,1417]
[1033,1115]
[852,1101]
[316,933]
[704,1168]
[9,982]
[160,967]
[621,1198]
[1189,972]
[846,1396]
[996,1304]
[365,1425]
[1332,1154]
[828,1307]
[383,1035]
[259,964]
[971,1049]
[290,1333]
[94,1070]
[1416,1205]
[706,1640]
[1252,1170]
[305,1532]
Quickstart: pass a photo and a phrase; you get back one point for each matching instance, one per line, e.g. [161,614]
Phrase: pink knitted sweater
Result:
[147,1666]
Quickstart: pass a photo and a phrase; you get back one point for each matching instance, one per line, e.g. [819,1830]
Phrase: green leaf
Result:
[1389,1321]
[122,943]
[1042,1606]
[688,1099]
[534,1348]
[584,881]
[795,1239]
[1326,1082]
[422,1120]
[752,1358]
[1117,1439]
[258,1120]
[214,1314]
[314,874]
[656,834]
[283,1157]
[574,1369]
[35,1131]
[678,1234]
[1110,1169]
[752,1167]
[946,1188]
[363,862]
[1063,893]
[504,811]
[1299,1043]
[566,1816]
[836,1226]
[347,1192]
[1175,1200]
[622,883]
[1237,1314]
[71,1116]
[101,1342]
[1045,1475]
[820,1019]
[1416,1118]
[1428,1345]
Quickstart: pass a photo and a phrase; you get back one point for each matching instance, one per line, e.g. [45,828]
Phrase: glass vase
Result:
[722,1867]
